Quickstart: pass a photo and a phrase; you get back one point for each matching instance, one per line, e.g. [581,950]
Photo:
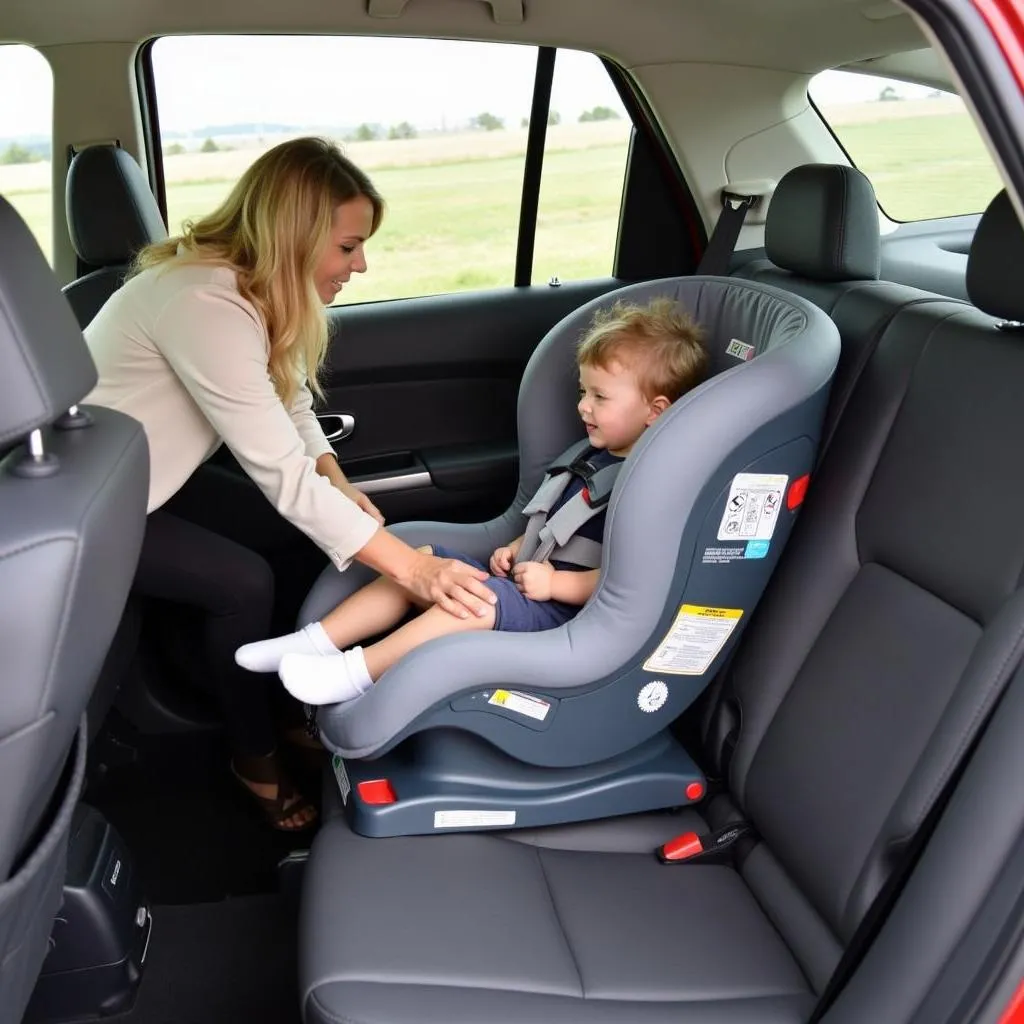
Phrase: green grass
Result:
[922,167]
[453,227]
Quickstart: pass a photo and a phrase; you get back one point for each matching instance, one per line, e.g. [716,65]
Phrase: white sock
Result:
[316,680]
[266,655]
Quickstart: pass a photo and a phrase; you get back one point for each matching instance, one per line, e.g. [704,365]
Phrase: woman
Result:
[217,337]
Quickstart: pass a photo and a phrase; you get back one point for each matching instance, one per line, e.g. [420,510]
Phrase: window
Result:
[584,168]
[918,146]
[26,114]
[448,155]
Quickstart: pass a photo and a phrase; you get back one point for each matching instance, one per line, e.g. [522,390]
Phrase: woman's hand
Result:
[534,579]
[451,585]
[366,505]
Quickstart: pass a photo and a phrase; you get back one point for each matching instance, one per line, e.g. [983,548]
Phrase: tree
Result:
[487,122]
[888,94]
[599,114]
[174,149]
[17,154]
[554,117]
[402,131]
[209,146]
[365,133]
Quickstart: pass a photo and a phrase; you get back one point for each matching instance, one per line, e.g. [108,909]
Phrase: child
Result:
[634,362]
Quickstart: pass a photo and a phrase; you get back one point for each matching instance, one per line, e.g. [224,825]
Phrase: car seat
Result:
[512,730]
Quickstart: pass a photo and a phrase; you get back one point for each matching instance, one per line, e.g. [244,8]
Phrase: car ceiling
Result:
[802,36]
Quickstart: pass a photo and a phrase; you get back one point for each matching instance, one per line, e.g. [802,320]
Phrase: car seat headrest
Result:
[996,260]
[45,366]
[822,223]
[112,212]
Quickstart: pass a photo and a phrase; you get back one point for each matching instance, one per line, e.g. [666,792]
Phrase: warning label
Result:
[344,786]
[752,508]
[473,819]
[521,704]
[694,640]
[740,349]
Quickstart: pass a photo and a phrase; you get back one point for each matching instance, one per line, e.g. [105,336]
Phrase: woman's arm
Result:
[217,347]
[327,466]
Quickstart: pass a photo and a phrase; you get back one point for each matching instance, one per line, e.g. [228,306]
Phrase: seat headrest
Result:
[111,210]
[45,366]
[822,223]
[996,261]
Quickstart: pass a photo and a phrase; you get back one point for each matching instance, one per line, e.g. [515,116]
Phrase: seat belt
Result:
[717,255]
[877,914]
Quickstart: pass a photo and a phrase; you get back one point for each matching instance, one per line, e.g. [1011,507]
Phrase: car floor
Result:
[223,944]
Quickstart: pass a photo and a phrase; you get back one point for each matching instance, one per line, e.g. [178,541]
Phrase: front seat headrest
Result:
[112,212]
[822,223]
[996,261]
[46,365]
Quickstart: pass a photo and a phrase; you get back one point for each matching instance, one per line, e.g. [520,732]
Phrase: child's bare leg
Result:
[433,623]
[375,608]
[330,680]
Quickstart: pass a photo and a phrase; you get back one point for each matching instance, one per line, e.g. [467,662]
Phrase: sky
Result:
[324,82]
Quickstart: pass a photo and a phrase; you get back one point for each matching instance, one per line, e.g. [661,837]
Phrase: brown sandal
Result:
[288,803]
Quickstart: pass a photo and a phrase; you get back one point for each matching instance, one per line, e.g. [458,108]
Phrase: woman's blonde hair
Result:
[660,343]
[272,230]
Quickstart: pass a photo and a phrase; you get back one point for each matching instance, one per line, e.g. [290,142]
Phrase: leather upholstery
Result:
[111,209]
[112,214]
[895,619]
[822,222]
[69,543]
[997,256]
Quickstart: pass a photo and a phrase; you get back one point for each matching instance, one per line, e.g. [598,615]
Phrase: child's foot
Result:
[316,680]
[266,655]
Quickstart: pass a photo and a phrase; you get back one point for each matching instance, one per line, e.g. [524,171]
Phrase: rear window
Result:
[918,146]
[26,115]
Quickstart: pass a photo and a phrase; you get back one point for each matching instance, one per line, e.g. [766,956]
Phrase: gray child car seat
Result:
[512,729]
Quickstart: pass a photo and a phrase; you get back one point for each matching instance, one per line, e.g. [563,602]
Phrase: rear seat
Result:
[822,242]
[893,621]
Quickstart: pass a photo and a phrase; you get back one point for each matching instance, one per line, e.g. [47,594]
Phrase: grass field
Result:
[453,201]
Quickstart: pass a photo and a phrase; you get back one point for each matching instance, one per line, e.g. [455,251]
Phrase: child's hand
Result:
[501,561]
[534,579]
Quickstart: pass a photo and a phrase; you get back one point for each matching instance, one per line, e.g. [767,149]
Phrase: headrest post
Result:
[38,461]
[73,419]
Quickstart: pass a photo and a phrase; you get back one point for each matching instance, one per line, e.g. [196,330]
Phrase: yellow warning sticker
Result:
[521,703]
[694,640]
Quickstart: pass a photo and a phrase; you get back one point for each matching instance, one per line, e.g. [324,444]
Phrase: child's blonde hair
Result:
[659,342]
[271,230]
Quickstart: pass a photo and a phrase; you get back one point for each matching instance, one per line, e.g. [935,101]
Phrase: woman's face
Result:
[351,224]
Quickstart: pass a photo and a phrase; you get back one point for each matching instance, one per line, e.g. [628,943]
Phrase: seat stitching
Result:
[561,925]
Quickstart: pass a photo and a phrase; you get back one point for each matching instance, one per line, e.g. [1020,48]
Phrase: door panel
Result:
[432,385]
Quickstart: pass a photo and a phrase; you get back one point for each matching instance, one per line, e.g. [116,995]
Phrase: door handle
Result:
[337,425]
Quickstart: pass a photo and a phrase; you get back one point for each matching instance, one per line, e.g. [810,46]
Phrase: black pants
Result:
[214,548]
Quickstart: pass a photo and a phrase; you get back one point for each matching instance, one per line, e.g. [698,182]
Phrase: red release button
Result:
[797,492]
[682,847]
[376,791]
[694,791]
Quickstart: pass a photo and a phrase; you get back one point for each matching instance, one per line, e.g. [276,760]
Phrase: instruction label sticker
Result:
[341,776]
[752,508]
[694,640]
[740,349]
[473,819]
[521,704]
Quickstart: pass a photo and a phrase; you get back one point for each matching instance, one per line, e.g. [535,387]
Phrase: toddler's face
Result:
[613,408]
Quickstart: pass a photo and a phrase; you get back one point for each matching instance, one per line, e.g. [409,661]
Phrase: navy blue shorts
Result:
[515,613]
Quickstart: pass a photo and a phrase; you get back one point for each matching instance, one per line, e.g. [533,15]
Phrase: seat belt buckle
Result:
[713,848]
[739,199]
